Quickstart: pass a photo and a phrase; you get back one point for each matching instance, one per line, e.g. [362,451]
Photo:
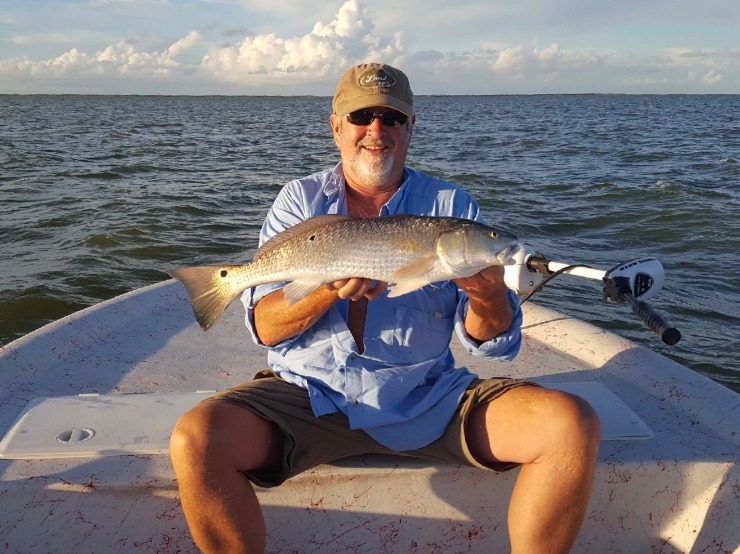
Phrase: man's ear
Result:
[336,127]
[335,122]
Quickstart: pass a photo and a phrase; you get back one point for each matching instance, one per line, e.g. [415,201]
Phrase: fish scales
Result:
[357,247]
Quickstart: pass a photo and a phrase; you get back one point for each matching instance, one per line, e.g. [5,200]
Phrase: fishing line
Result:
[551,277]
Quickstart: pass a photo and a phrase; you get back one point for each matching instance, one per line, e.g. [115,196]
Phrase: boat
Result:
[89,400]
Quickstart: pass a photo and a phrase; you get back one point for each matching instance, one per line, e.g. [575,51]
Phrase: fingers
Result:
[377,290]
[356,288]
[489,277]
[493,274]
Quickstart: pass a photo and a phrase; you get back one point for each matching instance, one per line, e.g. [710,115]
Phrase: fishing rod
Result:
[630,283]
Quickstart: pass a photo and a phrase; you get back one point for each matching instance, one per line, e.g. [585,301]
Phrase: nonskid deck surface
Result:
[674,492]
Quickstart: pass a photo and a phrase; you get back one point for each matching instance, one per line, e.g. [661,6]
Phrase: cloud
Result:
[33,38]
[256,61]
[712,77]
[117,61]
[328,48]
[543,61]
[238,59]
[704,66]
[494,69]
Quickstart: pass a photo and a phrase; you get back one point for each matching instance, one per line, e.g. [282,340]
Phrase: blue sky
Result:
[294,47]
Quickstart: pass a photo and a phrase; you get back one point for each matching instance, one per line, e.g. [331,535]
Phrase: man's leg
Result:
[555,436]
[210,447]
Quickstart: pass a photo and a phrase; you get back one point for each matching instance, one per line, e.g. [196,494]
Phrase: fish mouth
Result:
[506,255]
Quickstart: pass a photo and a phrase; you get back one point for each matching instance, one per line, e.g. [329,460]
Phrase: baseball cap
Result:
[373,84]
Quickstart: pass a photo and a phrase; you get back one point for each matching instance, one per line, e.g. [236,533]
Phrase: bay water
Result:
[100,195]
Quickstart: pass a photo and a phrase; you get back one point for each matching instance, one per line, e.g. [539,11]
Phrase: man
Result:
[356,372]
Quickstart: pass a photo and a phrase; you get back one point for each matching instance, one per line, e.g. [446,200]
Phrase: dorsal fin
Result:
[312,224]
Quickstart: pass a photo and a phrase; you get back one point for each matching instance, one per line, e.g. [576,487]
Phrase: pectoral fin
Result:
[399,289]
[412,276]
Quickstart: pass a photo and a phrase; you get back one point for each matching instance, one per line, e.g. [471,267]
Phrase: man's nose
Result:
[376,126]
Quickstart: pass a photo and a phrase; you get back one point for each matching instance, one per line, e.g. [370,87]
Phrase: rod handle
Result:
[651,318]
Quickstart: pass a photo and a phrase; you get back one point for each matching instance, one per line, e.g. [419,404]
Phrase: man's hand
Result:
[275,319]
[489,312]
[357,288]
[486,284]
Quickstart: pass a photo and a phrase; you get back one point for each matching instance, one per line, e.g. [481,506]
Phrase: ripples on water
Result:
[101,195]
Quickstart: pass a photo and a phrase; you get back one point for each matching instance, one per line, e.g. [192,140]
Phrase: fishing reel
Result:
[631,282]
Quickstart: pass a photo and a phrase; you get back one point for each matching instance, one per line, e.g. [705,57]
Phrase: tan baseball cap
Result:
[373,84]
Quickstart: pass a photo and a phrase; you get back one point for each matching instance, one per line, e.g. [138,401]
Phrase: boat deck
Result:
[677,491]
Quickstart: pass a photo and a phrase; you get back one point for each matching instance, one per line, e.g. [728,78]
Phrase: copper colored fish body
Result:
[405,251]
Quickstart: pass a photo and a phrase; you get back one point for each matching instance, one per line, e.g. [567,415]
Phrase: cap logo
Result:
[374,78]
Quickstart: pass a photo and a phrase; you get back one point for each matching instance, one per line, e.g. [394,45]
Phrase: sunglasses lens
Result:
[391,118]
[360,117]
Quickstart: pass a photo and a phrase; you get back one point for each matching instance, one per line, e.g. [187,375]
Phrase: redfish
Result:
[405,251]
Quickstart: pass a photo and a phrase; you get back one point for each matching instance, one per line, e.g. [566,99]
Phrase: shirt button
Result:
[355,402]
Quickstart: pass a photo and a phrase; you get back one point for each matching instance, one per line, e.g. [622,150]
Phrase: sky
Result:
[298,47]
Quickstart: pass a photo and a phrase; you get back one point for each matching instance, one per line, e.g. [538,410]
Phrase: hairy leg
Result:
[219,502]
[555,436]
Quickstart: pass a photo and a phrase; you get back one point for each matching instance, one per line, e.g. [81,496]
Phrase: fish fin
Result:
[420,266]
[306,226]
[412,276]
[209,291]
[296,290]
[399,289]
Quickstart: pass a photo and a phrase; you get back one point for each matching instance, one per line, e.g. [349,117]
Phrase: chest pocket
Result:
[420,329]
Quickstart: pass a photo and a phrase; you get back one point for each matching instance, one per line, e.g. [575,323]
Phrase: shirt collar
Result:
[335,183]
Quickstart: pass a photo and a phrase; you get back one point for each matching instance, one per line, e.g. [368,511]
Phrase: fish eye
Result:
[493,234]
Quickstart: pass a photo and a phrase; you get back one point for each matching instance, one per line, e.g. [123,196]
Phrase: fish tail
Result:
[209,290]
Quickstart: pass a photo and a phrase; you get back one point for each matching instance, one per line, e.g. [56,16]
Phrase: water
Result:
[100,195]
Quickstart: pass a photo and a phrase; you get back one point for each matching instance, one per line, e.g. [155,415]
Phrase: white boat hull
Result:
[678,491]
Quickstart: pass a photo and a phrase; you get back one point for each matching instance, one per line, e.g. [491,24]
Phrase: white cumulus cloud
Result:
[329,47]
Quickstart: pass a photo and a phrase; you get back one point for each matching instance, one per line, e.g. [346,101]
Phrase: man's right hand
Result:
[276,319]
[356,288]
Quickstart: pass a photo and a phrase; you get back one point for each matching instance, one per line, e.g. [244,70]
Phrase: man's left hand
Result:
[489,312]
[488,283]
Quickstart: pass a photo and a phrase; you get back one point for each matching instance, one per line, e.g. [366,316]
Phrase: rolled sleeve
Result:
[249,299]
[504,347]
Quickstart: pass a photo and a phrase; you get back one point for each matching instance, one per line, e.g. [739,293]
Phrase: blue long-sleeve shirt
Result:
[404,388]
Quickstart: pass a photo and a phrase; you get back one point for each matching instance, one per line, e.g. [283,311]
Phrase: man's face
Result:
[373,156]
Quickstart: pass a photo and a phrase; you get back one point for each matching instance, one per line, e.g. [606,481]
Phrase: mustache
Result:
[376,142]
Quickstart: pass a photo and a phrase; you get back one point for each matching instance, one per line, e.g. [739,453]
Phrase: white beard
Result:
[372,172]
[375,172]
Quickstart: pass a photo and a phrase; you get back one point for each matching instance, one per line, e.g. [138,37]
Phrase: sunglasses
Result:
[390,118]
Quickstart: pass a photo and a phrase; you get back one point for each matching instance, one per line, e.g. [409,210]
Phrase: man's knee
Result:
[222,433]
[529,423]
[191,435]
[575,422]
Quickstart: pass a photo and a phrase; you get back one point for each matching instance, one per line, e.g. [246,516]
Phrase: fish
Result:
[406,251]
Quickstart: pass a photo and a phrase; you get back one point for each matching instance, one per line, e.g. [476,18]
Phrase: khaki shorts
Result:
[310,441]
